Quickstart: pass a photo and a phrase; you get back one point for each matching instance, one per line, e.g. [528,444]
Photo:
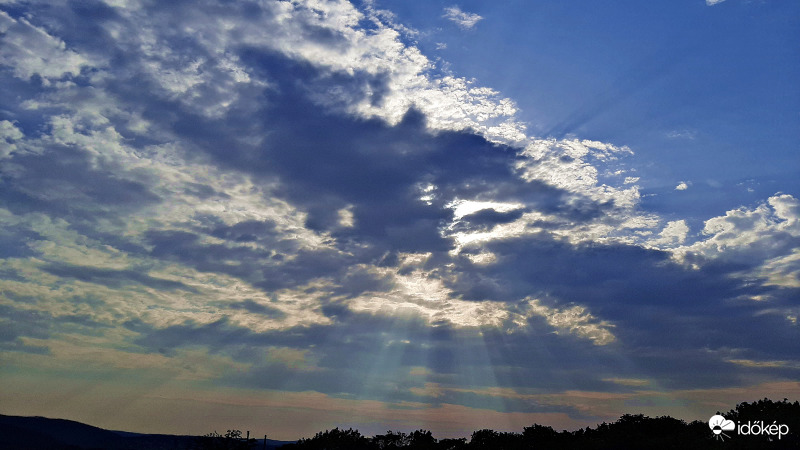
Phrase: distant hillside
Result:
[40,433]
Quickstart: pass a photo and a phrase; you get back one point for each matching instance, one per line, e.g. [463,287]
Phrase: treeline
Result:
[629,432]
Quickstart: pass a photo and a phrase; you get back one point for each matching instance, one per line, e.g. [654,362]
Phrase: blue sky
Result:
[693,88]
[291,216]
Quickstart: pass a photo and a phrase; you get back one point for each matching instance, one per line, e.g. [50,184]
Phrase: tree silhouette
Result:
[390,440]
[452,444]
[231,440]
[495,440]
[766,412]
[422,440]
[630,431]
[539,436]
[334,439]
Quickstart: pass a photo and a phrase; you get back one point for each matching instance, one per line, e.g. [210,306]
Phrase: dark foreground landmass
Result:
[40,433]
[631,431]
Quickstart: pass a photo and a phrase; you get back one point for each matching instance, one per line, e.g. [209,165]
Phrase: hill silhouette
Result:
[40,433]
[33,432]
[630,431]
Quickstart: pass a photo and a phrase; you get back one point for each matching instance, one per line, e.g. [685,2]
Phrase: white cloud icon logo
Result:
[718,424]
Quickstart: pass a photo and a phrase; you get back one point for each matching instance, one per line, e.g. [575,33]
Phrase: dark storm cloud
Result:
[358,281]
[247,231]
[113,278]
[62,182]
[14,244]
[613,274]
[216,335]
[16,324]
[662,312]
[186,247]
[489,217]
[264,268]
[256,308]
[326,162]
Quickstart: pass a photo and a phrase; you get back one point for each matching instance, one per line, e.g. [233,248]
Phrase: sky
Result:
[288,216]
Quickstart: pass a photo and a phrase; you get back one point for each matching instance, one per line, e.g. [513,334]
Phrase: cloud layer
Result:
[463,19]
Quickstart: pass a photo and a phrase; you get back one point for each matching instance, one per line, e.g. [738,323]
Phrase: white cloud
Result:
[462,208]
[30,51]
[570,164]
[674,233]
[682,186]
[765,364]
[450,103]
[763,238]
[346,217]
[463,19]
[713,2]
[682,134]
[9,133]
[574,320]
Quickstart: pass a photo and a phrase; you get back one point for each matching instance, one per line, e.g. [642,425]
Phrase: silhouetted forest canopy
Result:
[631,431]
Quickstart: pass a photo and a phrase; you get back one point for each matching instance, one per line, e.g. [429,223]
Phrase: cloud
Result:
[463,19]
[9,133]
[575,320]
[682,134]
[751,236]
[113,278]
[713,2]
[30,51]
[682,186]
[631,180]
[257,308]
[674,232]
[762,241]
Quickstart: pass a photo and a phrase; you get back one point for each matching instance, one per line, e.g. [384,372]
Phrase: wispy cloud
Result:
[463,19]
[682,134]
